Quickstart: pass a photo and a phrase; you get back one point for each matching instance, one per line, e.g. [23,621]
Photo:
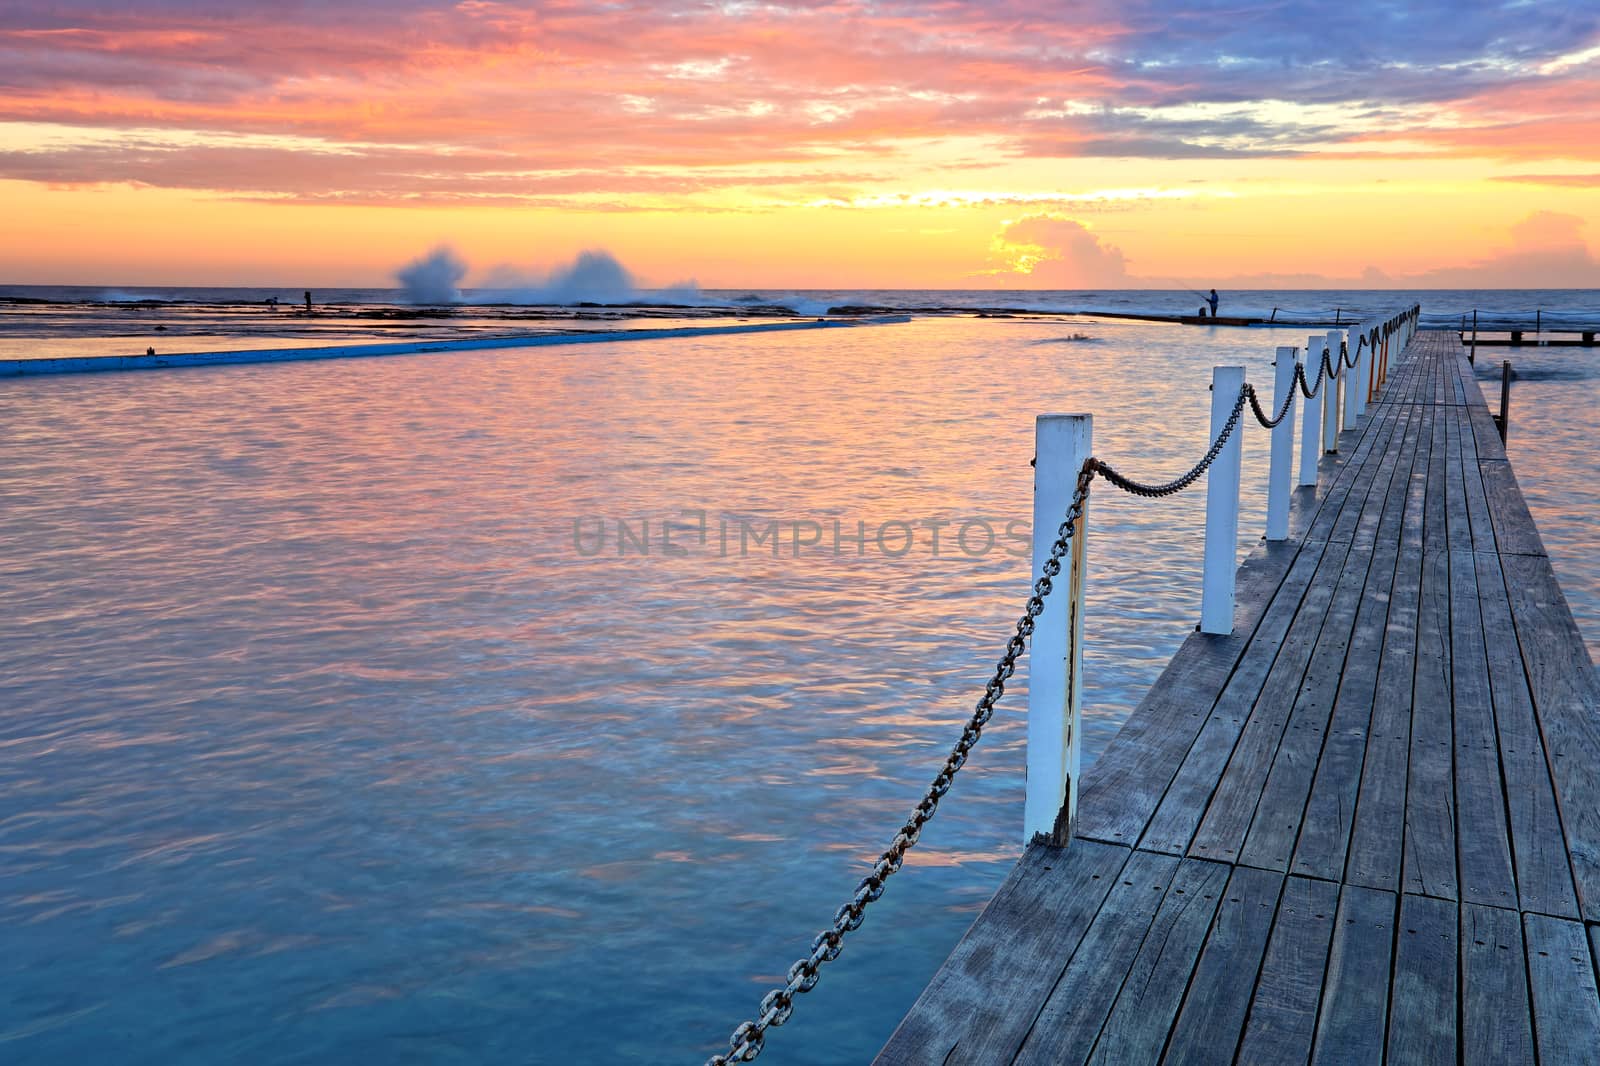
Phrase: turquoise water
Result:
[322,738]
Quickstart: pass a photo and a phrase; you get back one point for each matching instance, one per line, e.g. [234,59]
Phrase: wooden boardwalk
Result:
[1364,827]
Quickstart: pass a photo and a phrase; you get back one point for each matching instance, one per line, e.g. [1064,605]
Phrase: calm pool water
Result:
[336,726]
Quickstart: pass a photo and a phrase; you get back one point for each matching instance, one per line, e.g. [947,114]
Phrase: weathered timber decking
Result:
[1364,827]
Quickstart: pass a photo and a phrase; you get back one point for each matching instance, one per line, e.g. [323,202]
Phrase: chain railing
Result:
[749,1038]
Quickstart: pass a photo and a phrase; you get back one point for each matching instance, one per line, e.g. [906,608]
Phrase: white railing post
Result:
[1354,401]
[1330,403]
[1311,417]
[1055,663]
[1222,507]
[1279,473]
[1370,376]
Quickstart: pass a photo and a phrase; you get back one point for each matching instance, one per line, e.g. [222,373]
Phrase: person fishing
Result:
[1212,300]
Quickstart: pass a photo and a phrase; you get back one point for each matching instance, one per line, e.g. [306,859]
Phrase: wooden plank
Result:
[980,1004]
[1380,461]
[1485,434]
[1429,866]
[1355,996]
[1150,997]
[1377,835]
[1566,1006]
[1228,815]
[1370,718]
[1472,391]
[1566,698]
[1544,876]
[1275,828]
[1367,452]
[1380,812]
[1173,824]
[1283,1014]
[1514,531]
[1072,1017]
[1422,1003]
[1457,524]
[1442,391]
[1477,504]
[1123,787]
[1428,372]
[1435,526]
[1483,841]
[1213,1013]
[1330,810]
[1336,474]
[1496,1016]
[1383,499]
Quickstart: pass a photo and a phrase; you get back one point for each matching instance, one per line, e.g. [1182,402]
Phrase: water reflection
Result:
[319,740]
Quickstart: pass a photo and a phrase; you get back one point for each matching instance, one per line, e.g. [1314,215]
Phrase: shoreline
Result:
[90,364]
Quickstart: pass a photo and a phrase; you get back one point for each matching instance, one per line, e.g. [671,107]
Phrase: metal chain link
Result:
[750,1037]
[1177,484]
[1255,405]
[1305,390]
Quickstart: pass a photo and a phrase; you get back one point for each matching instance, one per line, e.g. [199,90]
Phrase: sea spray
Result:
[434,278]
[595,276]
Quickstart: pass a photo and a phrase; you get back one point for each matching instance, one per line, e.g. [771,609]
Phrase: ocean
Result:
[542,704]
[41,320]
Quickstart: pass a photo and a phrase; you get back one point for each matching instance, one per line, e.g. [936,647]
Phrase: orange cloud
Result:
[1053,252]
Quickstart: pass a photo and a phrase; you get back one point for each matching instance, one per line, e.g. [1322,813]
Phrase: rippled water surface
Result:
[335,725]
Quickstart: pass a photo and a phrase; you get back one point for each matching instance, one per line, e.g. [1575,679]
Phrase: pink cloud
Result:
[1054,252]
[490,89]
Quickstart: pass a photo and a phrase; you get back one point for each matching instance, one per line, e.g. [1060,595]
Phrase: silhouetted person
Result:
[149,351]
[1212,300]
[308,301]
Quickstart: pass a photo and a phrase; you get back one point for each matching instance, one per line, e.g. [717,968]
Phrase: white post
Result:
[1311,417]
[1330,404]
[1355,404]
[1055,663]
[1281,468]
[1370,373]
[1222,507]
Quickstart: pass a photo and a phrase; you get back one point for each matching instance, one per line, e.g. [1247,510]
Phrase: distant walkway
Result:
[1363,827]
[97,363]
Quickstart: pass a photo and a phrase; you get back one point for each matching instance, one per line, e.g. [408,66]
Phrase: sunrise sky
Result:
[829,144]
